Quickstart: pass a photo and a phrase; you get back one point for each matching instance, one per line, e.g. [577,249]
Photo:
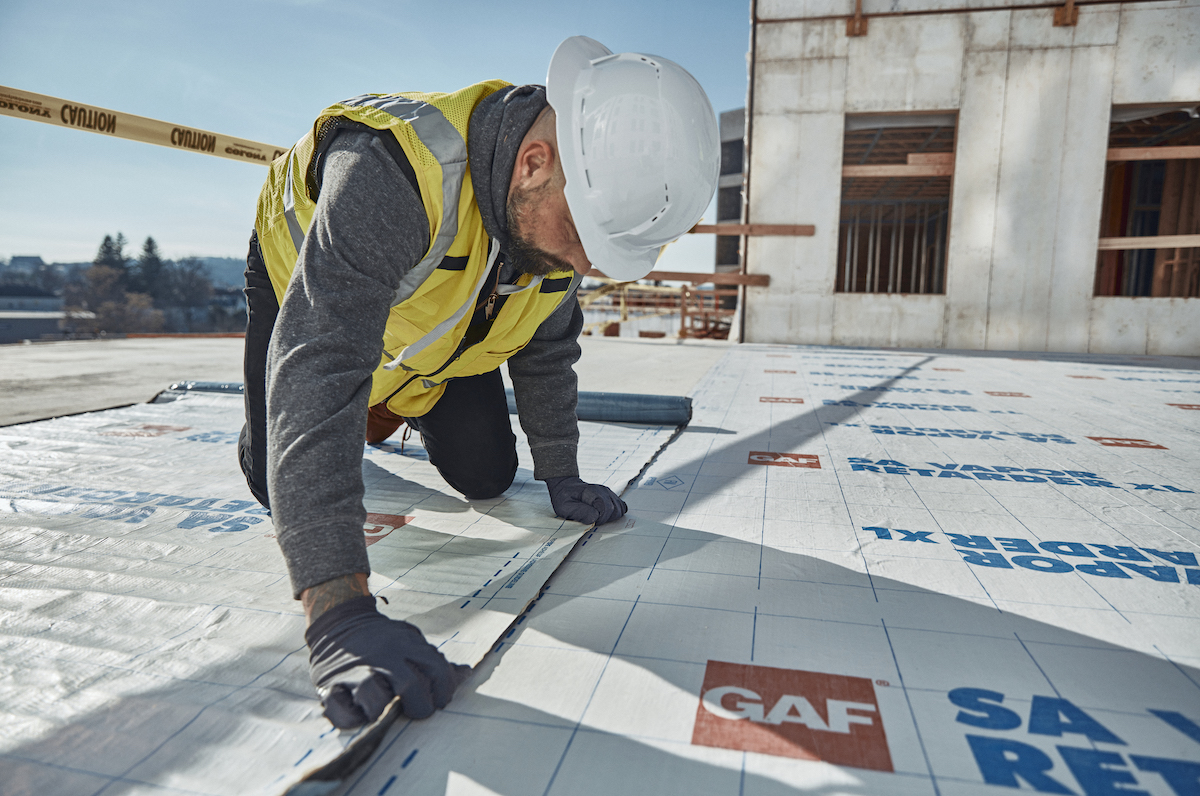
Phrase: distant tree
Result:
[50,278]
[102,284]
[111,252]
[136,313]
[149,273]
[102,301]
[188,290]
[189,283]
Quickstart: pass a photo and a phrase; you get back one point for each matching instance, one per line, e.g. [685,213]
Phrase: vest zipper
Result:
[491,300]
[489,307]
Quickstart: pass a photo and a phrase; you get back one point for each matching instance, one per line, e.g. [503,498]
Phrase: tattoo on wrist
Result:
[320,598]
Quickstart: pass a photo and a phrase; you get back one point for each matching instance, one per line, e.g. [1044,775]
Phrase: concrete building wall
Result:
[1033,104]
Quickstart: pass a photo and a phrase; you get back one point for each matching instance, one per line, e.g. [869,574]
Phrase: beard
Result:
[526,257]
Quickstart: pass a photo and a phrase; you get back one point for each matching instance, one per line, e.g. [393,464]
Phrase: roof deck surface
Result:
[855,571]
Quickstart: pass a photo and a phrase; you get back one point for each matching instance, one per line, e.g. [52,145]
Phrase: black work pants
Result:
[468,434]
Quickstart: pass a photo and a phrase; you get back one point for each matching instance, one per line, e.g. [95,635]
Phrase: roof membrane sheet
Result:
[855,572]
[865,572]
[148,639]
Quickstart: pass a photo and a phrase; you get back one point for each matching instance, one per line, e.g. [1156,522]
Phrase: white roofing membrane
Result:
[857,571]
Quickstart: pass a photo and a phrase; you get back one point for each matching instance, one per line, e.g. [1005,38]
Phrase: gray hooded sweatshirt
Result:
[369,228]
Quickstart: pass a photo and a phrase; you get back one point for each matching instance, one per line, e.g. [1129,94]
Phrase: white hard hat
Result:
[640,150]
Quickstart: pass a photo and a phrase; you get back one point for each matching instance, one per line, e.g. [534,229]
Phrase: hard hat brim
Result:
[570,58]
[622,264]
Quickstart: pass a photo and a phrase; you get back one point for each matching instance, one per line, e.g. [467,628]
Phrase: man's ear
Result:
[535,165]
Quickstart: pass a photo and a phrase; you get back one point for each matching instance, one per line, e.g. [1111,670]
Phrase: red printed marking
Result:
[959,370]
[147,430]
[1097,378]
[779,371]
[785,459]
[1120,442]
[791,713]
[378,526]
[1186,406]
[1007,394]
[768,400]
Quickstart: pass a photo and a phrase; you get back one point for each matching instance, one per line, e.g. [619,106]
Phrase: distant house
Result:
[26,263]
[28,313]
[27,297]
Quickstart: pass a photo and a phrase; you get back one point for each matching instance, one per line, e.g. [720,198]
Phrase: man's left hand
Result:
[575,499]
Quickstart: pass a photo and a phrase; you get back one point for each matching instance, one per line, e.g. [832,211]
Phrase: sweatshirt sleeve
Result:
[547,389]
[369,228]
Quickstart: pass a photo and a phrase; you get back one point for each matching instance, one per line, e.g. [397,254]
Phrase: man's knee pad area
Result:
[483,487]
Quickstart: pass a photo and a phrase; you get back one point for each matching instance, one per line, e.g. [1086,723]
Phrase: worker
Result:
[403,249]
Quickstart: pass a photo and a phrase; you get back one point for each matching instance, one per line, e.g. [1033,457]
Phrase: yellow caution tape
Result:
[65,113]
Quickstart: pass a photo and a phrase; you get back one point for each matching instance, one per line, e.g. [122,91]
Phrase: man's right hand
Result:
[359,660]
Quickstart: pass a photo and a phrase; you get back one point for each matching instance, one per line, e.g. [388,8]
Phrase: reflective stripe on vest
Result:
[289,210]
[445,144]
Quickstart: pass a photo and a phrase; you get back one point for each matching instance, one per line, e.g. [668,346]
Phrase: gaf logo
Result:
[144,430]
[791,713]
[378,526]
[785,459]
[1121,442]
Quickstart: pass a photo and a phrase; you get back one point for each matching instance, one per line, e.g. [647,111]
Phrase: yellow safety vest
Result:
[423,344]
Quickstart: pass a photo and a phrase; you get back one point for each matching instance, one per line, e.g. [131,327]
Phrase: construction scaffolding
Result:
[703,312]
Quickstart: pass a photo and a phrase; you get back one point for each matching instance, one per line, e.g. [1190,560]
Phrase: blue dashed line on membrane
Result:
[387,785]
[464,605]
[408,759]
[301,760]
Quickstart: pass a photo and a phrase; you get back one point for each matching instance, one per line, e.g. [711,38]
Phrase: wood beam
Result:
[754,280]
[1150,242]
[1154,153]
[899,170]
[754,229]
[931,158]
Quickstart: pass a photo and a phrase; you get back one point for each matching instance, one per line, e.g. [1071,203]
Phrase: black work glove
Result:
[359,659]
[575,499]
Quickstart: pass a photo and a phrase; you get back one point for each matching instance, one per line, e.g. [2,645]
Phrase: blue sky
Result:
[262,70]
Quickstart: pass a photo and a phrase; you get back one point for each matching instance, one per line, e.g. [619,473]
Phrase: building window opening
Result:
[731,156]
[895,210]
[1151,192]
[729,190]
